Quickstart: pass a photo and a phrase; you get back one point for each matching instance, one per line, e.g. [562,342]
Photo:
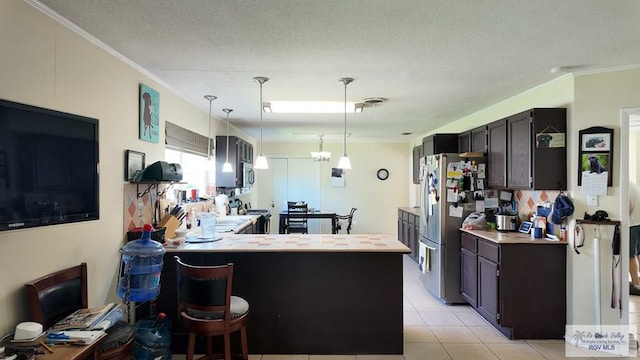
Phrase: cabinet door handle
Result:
[427,260]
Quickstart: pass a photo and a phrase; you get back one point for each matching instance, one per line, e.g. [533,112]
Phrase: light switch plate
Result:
[592,200]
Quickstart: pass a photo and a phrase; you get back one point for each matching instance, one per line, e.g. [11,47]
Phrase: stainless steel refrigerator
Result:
[450,186]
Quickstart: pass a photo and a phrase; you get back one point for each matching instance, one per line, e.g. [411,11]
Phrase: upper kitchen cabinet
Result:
[418,153]
[479,139]
[536,149]
[464,141]
[240,152]
[440,143]
[473,140]
[497,154]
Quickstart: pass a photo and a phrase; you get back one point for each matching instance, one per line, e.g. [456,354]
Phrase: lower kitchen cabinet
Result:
[409,231]
[519,288]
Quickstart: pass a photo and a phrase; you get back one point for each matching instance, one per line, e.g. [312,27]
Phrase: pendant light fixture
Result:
[320,155]
[226,168]
[210,98]
[261,160]
[344,162]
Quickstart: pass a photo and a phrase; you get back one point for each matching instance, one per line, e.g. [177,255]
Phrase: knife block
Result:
[171,224]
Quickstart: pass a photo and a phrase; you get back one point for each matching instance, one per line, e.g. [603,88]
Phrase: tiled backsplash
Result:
[528,200]
[131,201]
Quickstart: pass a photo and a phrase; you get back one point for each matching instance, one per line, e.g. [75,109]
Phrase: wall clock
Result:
[383,174]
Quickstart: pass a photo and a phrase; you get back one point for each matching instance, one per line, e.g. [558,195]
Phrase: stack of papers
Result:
[87,319]
[81,337]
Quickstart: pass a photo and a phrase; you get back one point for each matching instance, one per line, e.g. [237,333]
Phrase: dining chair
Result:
[298,224]
[348,218]
[54,296]
[208,309]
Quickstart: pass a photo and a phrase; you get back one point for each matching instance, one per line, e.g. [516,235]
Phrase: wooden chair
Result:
[54,296]
[349,219]
[298,224]
[207,308]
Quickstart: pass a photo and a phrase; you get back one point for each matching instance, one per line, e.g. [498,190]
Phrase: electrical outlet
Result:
[140,208]
[592,200]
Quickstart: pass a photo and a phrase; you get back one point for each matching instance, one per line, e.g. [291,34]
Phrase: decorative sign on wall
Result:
[149,114]
[337,177]
[595,160]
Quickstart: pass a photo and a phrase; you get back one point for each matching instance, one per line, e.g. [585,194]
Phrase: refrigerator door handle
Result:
[427,265]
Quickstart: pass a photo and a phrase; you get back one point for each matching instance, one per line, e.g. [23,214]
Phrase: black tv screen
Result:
[48,167]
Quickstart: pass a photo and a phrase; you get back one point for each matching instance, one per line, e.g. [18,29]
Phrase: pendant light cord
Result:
[210,98]
[227,111]
[260,118]
[345,118]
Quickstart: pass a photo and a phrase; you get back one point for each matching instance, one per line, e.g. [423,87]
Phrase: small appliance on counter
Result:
[506,222]
[222,203]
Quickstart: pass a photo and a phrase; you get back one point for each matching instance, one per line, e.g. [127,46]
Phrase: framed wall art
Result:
[133,162]
[596,156]
[149,121]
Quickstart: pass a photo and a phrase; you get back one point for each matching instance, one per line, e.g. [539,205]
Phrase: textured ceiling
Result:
[435,61]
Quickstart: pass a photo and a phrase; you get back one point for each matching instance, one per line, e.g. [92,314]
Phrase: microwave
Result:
[248,176]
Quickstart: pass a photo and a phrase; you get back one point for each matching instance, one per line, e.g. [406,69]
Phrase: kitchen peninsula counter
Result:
[296,243]
[308,294]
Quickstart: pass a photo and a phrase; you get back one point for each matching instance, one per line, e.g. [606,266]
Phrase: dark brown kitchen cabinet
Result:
[240,153]
[534,161]
[497,154]
[506,284]
[479,139]
[440,143]
[409,231]
[474,140]
[469,274]
[464,141]
[418,153]
[487,304]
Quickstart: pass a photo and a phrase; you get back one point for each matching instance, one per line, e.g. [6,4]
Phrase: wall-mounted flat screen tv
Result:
[48,167]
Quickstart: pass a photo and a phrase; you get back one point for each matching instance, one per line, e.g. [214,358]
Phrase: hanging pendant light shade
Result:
[344,162]
[226,167]
[210,98]
[261,160]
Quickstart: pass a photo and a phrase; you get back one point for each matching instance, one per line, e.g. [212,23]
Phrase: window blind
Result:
[179,138]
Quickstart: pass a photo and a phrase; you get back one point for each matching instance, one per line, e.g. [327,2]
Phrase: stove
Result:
[264,220]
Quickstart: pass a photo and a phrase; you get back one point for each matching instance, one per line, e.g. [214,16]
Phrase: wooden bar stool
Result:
[207,308]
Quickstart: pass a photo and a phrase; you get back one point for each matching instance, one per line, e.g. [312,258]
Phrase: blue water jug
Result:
[140,268]
[152,339]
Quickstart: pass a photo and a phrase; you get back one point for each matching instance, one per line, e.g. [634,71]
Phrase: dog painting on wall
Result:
[544,140]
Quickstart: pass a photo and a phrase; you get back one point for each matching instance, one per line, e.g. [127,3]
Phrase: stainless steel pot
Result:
[507,222]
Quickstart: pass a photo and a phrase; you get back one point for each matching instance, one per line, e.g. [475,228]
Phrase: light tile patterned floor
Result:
[434,331]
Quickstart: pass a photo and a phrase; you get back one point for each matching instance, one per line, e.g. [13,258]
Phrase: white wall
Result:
[598,100]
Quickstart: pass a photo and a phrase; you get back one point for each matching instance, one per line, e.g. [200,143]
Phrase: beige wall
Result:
[47,65]
[377,201]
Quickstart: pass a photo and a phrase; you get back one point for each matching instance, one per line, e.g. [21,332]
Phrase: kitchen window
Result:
[189,149]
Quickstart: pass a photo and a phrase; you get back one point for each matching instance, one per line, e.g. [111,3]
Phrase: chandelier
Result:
[320,155]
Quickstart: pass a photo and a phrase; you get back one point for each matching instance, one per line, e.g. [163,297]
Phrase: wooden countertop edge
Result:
[511,237]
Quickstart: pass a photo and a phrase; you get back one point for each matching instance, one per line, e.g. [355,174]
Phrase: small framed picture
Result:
[525,227]
[596,142]
[596,155]
[133,162]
